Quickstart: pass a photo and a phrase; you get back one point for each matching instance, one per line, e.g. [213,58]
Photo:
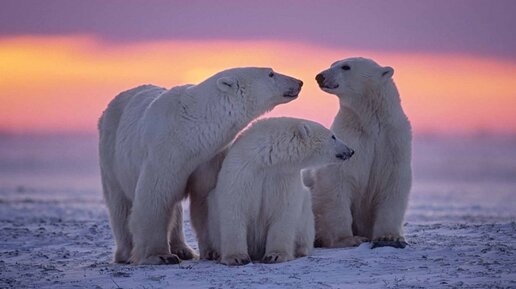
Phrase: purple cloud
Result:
[461,26]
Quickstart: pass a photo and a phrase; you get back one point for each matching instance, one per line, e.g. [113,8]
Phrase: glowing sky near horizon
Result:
[60,67]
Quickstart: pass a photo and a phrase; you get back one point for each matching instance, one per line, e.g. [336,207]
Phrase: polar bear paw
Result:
[351,241]
[303,251]
[389,241]
[122,256]
[210,254]
[276,257]
[236,260]
[183,252]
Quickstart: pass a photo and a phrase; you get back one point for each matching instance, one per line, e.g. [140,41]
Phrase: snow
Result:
[461,228]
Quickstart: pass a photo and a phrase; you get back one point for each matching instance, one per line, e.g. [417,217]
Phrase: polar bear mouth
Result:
[290,94]
[342,157]
[329,87]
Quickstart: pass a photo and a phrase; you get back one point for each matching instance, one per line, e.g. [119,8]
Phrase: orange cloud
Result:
[59,84]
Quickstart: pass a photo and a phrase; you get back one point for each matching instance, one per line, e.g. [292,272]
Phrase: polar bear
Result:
[152,139]
[259,209]
[365,198]
[200,183]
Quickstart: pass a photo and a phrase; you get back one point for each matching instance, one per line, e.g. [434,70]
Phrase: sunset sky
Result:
[62,61]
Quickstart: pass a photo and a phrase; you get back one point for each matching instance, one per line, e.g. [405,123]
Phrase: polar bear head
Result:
[292,142]
[354,77]
[256,89]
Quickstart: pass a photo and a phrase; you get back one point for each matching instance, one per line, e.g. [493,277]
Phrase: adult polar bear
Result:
[259,209]
[152,139]
[368,195]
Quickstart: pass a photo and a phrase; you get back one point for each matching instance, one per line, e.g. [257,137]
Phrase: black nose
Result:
[346,155]
[300,84]
[320,79]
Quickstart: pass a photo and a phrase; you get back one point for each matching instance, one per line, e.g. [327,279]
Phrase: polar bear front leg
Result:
[233,242]
[388,228]
[150,218]
[306,230]
[233,229]
[234,246]
[280,242]
[177,239]
[200,185]
[388,223]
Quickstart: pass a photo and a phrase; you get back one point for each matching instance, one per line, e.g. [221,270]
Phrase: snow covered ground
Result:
[461,227]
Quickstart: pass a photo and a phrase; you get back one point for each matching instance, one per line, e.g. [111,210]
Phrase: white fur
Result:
[152,139]
[365,198]
[260,208]
[202,181]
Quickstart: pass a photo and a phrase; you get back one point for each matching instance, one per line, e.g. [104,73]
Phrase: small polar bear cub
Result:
[152,139]
[259,209]
[365,198]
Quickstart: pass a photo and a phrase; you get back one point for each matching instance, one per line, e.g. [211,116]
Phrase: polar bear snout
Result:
[294,92]
[345,155]
[324,83]
[320,79]
[343,151]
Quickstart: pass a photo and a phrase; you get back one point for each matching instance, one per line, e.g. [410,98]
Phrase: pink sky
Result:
[62,61]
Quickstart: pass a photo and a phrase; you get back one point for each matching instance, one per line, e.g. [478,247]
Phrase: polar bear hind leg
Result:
[177,242]
[119,209]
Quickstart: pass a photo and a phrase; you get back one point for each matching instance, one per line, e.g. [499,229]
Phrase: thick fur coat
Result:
[152,139]
[366,197]
[260,209]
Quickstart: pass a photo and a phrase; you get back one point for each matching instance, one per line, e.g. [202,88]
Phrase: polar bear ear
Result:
[304,130]
[387,72]
[227,84]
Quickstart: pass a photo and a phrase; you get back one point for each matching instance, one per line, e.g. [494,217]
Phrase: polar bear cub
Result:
[260,209]
[365,198]
[152,139]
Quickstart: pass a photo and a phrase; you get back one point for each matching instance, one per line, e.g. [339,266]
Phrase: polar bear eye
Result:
[271,74]
[346,67]
[333,137]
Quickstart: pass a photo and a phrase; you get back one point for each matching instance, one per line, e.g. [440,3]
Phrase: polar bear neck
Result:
[218,117]
[376,107]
